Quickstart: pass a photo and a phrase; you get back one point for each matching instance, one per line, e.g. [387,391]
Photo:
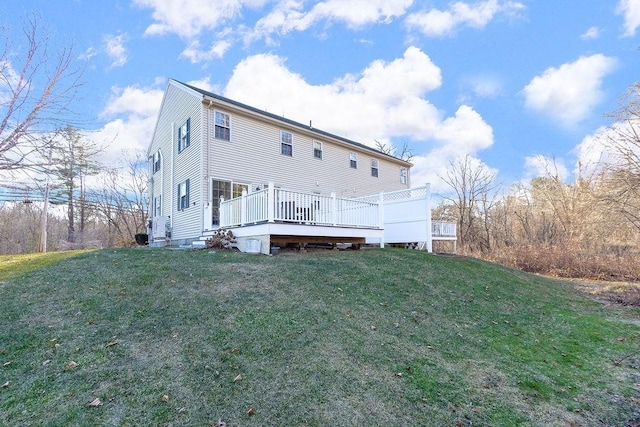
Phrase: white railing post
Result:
[271,202]
[428,213]
[223,215]
[243,207]
[334,210]
[381,217]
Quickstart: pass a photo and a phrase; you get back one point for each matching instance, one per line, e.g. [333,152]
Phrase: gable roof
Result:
[290,122]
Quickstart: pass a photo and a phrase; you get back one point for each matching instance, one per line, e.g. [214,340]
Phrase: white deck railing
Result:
[278,205]
[443,229]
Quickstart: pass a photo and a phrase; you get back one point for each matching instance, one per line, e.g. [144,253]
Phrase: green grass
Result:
[372,337]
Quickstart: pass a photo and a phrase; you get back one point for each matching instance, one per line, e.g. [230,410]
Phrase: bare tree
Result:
[404,153]
[472,184]
[623,177]
[122,202]
[36,90]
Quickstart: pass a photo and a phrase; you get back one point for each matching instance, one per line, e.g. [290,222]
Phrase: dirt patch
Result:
[619,293]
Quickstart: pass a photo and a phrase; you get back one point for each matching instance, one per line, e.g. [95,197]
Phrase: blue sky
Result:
[515,84]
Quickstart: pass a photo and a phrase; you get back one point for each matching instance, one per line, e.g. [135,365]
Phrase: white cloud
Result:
[542,166]
[591,34]
[569,93]
[439,23]
[196,55]
[630,9]
[132,113]
[114,46]
[188,18]
[386,101]
[289,15]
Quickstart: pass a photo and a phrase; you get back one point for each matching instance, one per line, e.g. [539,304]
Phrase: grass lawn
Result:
[357,338]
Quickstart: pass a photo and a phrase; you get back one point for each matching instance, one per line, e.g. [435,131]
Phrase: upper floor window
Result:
[183,195]
[317,150]
[403,175]
[374,167]
[222,126]
[184,137]
[286,143]
[353,160]
[155,162]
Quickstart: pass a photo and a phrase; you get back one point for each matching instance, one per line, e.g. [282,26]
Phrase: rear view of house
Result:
[215,162]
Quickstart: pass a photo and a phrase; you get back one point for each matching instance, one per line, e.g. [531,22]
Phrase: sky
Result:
[520,86]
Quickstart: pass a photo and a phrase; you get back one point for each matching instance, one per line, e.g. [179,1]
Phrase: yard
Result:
[373,337]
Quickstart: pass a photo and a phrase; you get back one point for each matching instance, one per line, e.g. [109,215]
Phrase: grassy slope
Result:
[375,337]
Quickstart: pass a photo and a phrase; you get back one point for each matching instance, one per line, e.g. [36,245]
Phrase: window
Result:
[403,175]
[353,160]
[157,206]
[183,195]
[286,143]
[155,162]
[223,126]
[317,150]
[227,190]
[183,135]
[374,167]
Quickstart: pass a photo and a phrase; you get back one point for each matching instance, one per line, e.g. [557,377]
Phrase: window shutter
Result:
[179,197]
[186,192]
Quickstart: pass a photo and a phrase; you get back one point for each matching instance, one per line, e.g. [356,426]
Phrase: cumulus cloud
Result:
[290,15]
[131,113]
[385,102]
[114,46]
[630,10]
[569,93]
[188,18]
[439,23]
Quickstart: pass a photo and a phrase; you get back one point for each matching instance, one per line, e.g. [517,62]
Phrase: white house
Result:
[217,163]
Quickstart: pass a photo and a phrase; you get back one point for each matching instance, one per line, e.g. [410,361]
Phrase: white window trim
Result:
[353,160]
[284,142]
[317,150]
[375,166]
[226,125]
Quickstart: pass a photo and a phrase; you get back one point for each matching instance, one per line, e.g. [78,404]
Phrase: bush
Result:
[221,239]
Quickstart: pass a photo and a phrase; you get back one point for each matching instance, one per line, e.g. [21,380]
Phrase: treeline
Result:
[588,228]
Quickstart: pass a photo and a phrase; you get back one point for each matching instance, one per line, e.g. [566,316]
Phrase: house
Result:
[217,163]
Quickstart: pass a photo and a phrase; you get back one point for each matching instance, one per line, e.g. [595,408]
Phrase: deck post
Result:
[223,218]
[271,201]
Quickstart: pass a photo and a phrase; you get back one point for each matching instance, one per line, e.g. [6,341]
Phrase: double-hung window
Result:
[403,175]
[184,137]
[183,195]
[155,162]
[286,143]
[317,150]
[353,160]
[222,126]
[374,167]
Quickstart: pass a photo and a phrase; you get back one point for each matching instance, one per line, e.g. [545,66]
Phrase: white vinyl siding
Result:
[178,105]
[254,157]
